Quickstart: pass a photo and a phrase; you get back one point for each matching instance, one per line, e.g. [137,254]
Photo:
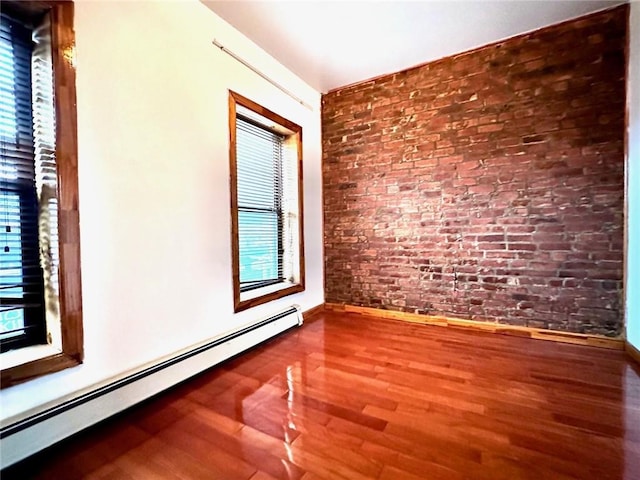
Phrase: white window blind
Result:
[259,158]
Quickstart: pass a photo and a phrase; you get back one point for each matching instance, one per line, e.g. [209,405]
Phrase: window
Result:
[21,283]
[40,306]
[266,204]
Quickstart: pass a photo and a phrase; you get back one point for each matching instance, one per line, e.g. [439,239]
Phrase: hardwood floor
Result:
[355,397]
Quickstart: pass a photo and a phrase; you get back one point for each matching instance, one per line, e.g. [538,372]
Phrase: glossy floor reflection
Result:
[353,397]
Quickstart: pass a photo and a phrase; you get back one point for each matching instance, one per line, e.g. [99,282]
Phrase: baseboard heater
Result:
[36,432]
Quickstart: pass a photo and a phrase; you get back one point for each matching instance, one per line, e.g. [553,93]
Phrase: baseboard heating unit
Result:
[36,432]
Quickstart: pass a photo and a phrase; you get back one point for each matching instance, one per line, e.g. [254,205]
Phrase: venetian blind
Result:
[21,284]
[259,159]
[46,170]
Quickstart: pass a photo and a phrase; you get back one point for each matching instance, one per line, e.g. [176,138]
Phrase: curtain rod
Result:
[255,70]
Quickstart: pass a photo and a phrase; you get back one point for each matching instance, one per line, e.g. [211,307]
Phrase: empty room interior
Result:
[320,240]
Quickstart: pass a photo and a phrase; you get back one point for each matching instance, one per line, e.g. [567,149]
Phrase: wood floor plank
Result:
[352,397]
[237,451]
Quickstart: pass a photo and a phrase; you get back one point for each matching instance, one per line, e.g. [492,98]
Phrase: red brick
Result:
[501,167]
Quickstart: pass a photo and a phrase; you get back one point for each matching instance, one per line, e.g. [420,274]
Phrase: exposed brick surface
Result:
[488,185]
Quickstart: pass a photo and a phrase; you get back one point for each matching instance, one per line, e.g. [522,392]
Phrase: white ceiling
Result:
[330,44]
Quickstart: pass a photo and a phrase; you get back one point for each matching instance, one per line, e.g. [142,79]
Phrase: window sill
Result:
[26,363]
[259,292]
[266,294]
[20,356]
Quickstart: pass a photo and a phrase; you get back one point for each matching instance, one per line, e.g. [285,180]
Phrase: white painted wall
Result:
[152,102]
[633,182]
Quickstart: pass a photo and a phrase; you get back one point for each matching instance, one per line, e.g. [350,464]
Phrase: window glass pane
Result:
[8,125]
[256,175]
[11,323]
[11,279]
[22,320]
[258,244]
[259,190]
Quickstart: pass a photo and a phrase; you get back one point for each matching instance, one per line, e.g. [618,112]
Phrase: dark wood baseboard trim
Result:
[313,311]
[632,351]
[528,332]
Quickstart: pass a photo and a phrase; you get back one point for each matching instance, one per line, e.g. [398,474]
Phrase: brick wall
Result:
[486,186]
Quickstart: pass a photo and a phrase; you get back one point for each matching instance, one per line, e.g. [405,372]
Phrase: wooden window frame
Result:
[70,294]
[296,139]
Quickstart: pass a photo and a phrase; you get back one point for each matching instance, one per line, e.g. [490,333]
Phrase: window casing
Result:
[266,204]
[40,252]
